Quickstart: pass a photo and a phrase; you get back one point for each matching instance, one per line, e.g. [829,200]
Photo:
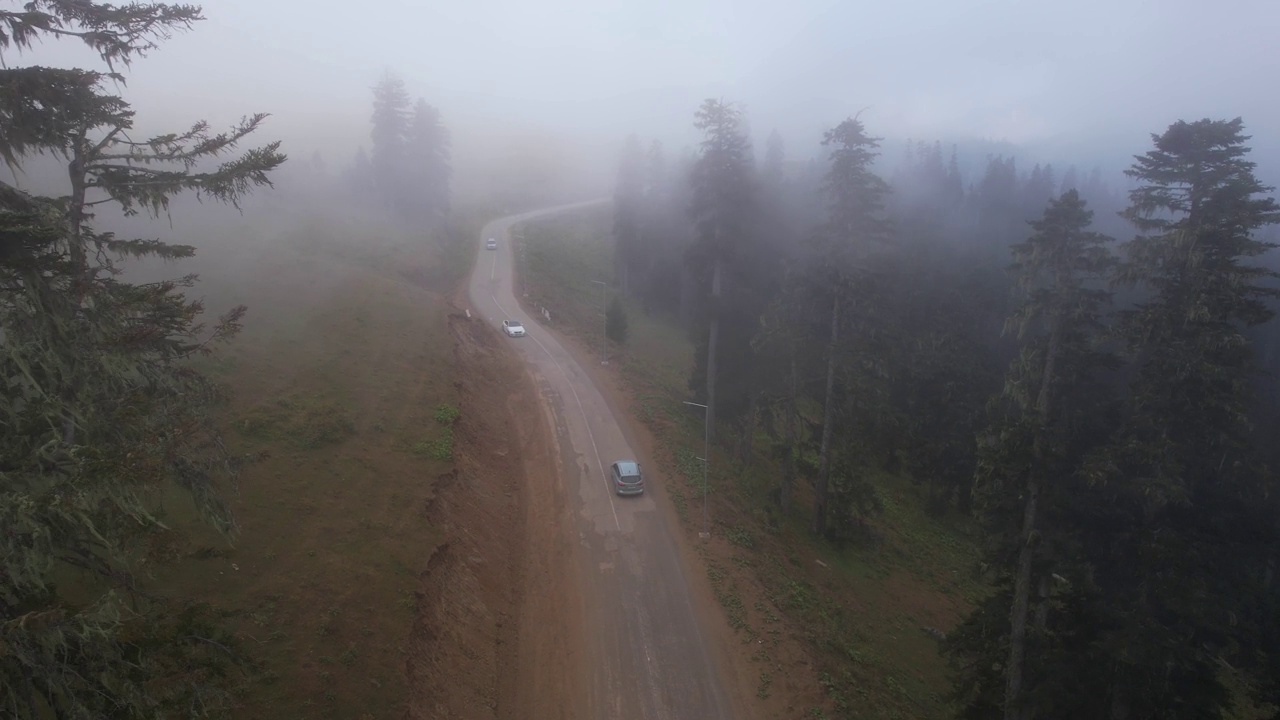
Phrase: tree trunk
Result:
[1042,605]
[747,447]
[1018,617]
[712,343]
[828,411]
[789,459]
[1013,700]
[79,258]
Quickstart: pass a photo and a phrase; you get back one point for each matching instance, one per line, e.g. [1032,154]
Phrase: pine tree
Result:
[1179,559]
[427,140]
[1038,190]
[723,196]
[102,412]
[786,333]
[776,224]
[1059,270]
[1070,179]
[855,224]
[391,165]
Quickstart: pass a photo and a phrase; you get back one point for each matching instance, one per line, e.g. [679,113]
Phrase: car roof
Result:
[628,467]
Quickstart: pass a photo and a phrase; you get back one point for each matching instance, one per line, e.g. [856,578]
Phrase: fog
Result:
[1083,83]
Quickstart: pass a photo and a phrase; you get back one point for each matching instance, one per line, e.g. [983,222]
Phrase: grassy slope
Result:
[345,357]
[860,611]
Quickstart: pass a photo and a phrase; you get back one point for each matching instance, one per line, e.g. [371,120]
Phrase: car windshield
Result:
[628,469]
[515,325]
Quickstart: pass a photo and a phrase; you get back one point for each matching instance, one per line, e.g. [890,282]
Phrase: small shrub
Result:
[439,449]
[447,415]
[678,499]
[740,537]
[348,656]
[688,464]
[852,501]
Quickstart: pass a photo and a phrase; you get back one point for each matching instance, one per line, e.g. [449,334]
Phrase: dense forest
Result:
[1084,375]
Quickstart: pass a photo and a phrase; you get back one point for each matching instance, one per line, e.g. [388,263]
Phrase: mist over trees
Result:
[101,413]
[1077,373]
[408,169]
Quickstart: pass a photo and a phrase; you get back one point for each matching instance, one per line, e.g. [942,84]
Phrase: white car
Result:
[491,244]
[513,328]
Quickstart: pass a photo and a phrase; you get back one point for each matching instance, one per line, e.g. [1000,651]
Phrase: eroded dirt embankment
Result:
[494,636]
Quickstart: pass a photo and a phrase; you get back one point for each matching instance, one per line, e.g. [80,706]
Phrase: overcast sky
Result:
[1081,77]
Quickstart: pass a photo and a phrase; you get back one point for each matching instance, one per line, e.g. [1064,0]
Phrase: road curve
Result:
[646,653]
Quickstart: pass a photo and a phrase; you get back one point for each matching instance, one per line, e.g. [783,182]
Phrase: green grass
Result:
[558,260]
[345,365]
[440,448]
[860,609]
[304,422]
[447,415]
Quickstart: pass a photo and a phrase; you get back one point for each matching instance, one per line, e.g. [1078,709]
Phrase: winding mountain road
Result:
[646,655]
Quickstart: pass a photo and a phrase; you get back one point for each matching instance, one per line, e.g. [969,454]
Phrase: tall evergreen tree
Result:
[102,413]
[855,224]
[1070,179]
[777,223]
[786,335]
[723,196]
[427,142]
[391,119]
[1180,553]
[1038,190]
[1033,455]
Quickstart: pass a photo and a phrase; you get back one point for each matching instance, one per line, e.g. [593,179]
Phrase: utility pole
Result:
[604,324]
[706,459]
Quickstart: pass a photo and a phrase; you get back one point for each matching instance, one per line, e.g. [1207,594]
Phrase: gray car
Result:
[626,478]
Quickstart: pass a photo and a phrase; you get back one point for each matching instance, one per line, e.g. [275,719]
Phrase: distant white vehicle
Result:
[513,328]
[491,244]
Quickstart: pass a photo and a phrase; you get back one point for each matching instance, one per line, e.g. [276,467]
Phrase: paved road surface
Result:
[648,656]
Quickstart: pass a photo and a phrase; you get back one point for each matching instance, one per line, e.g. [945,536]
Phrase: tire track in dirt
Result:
[491,638]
